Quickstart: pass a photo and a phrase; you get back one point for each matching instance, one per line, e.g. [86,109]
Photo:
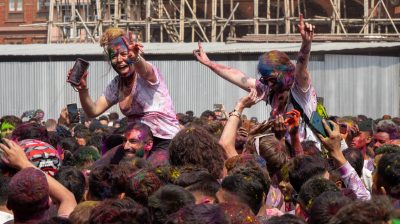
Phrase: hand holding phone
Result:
[77,72]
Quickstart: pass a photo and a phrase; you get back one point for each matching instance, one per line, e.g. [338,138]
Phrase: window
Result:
[43,9]
[15,5]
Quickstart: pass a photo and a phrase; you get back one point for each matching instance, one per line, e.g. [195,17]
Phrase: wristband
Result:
[236,114]
[137,60]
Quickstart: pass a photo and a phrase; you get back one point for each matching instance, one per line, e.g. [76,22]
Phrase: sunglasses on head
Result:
[257,141]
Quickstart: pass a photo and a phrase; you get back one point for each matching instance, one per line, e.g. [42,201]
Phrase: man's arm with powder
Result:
[302,76]
[15,157]
[232,75]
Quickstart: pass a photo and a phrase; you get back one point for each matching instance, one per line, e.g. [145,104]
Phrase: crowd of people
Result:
[156,166]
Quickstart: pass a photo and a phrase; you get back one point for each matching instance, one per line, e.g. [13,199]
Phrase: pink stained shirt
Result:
[151,104]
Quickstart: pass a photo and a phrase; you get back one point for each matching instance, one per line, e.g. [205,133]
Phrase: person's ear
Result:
[369,139]
[149,145]
[339,184]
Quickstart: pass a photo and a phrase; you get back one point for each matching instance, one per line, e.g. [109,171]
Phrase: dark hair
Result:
[4,180]
[69,144]
[167,200]
[302,168]
[104,117]
[82,211]
[96,141]
[195,146]
[312,189]
[113,116]
[286,219]
[388,173]
[377,210]
[206,114]
[199,214]
[56,220]
[105,182]
[238,213]
[310,148]
[11,119]
[30,131]
[73,180]
[143,183]
[355,158]
[86,155]
[248,186]
[118,211]
[387,148]
[111,141]
[325,206]
[196,179]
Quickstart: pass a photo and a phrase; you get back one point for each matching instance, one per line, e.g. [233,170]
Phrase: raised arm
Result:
[14,155]
[302,76]
[232,75]
[228,137]
[143,68]
[91,108]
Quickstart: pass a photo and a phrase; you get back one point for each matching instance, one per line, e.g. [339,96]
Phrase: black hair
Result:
[167,200]
[119,211]
[56,220]
[388,173]
[377,210]
[73,180]
[286,219]
[4,180]
[326,205]
[30,131]
[355,158]
[302,168]
[312,189]
[105,182]
[247,186]
[199,214]
[195,146]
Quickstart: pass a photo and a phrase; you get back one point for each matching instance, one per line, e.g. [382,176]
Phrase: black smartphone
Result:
[80,67]
[316,124]
[73,113]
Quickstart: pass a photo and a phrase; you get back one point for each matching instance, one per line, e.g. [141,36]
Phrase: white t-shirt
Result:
[5,217]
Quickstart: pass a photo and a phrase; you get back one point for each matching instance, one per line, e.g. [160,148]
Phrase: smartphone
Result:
[217,106]
[82,115]
[80,67]
[316,124]
[73,113]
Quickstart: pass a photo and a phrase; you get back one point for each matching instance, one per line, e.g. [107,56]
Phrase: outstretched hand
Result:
[134,47]
[201,56]
[82,84]
[249,100]
[293,121]
[332,142]
[306,30]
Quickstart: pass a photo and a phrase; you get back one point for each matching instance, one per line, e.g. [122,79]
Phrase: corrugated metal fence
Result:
[350,85]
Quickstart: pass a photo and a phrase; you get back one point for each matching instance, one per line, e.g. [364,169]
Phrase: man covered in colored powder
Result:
[281,81]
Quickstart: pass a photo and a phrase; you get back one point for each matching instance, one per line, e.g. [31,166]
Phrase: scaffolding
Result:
[223,20]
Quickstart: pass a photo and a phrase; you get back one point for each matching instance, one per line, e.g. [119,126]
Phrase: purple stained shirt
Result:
[352,181]
[307,99]
[151,104]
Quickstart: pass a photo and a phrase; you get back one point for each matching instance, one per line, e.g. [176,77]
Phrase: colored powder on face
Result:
[116,46]
[276,61]
[5,126]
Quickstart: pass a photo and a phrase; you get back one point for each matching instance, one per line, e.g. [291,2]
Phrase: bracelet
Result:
[236,114]
[137,60]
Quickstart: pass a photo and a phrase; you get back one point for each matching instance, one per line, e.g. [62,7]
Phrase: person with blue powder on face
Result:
[279,79]
[139,89]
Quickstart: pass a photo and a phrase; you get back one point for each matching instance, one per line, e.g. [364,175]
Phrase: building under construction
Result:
[76,21]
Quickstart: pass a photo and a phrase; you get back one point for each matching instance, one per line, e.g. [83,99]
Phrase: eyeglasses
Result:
[266,80]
